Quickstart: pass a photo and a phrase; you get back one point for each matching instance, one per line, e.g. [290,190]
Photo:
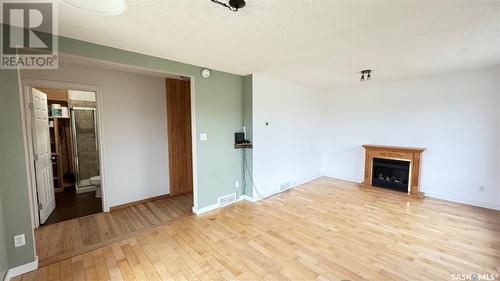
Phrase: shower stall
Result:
[85,147]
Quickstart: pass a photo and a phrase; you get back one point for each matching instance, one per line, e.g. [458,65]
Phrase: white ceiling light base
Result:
[101,7]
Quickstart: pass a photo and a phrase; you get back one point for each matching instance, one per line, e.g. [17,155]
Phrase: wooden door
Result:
[179,136]
[43,154]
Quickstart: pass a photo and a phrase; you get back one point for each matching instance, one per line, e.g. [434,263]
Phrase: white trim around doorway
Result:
[25,85]
[193,144]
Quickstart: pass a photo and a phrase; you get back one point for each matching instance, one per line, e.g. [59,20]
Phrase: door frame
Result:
[194,159]
[98,90]
[27,83]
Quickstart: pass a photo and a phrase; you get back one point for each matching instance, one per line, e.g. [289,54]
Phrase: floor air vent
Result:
[231,198]
[227,199]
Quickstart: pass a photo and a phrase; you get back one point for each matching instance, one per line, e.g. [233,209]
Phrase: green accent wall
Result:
[219,113]
[13,184]
[3,246]
[248,123]
[4,265]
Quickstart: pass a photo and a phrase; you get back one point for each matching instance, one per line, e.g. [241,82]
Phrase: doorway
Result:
[64,134]
[179,135]
[122,220]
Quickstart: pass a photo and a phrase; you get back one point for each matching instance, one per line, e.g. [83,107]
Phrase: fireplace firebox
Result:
[410,167]
[391,174]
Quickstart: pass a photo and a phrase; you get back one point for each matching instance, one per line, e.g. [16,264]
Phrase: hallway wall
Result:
[134,128]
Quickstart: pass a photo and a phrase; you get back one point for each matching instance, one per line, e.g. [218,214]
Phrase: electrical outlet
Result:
[482,188]
[203,136]
[19,240]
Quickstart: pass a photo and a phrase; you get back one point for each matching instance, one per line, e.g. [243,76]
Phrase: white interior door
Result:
[42,151]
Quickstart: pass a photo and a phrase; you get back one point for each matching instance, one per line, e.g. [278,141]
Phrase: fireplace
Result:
[393,167]
[391,174]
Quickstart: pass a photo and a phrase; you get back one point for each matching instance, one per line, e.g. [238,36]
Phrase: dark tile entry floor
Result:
[70,205]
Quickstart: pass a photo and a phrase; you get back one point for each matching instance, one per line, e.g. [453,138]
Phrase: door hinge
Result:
[30,106]
[40,206]
[36,157]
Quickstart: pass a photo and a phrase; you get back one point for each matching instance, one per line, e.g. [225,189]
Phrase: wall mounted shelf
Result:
[243,145]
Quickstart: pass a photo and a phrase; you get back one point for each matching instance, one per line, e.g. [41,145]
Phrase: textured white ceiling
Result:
[318,43]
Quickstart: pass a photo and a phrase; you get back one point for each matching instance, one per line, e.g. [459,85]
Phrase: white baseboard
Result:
[441,196]
[248,198]
[22,269]
[297,183]
[340,178]
[447,197]
[214,206]
[462,200]
[205,209]
[301,182]
[258,198]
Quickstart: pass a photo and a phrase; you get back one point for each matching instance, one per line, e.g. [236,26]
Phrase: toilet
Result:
[96,181]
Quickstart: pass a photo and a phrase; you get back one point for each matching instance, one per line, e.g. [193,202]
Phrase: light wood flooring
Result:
[62,240]
[323,230]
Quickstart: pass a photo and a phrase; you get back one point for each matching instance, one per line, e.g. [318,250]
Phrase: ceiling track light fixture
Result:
[367,73]
[233,5]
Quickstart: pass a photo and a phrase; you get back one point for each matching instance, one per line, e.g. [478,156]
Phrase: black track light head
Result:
[368,73]
[233,5]
[237,4]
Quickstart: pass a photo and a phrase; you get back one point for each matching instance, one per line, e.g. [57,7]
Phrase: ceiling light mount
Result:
[367,73]
[233,5]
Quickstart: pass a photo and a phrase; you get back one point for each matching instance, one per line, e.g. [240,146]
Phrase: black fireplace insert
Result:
[391,174]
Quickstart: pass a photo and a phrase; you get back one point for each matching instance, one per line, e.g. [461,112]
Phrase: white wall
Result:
[288,149]
[310,133]
[456,117]
[81,95]
[134,122]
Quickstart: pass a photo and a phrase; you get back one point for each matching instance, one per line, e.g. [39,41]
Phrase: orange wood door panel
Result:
[179,136]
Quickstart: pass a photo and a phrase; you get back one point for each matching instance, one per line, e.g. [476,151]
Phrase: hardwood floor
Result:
[323,230]
[62,240]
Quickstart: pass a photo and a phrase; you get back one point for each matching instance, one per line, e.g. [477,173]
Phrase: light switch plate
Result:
[203,136]
[19,240]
